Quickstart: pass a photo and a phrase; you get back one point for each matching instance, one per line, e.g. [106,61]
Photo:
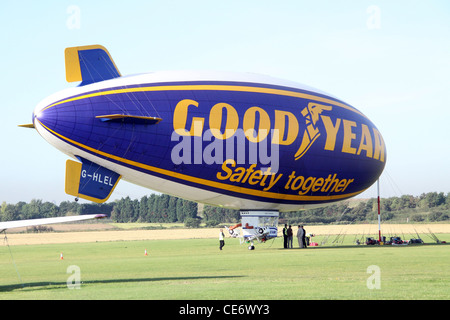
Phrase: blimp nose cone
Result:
[43,116]
[51,120]
[38,116]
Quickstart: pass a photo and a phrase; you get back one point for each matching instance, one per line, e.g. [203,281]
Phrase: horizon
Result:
[353,199]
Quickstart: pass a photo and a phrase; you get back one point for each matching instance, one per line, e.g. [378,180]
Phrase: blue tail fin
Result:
[89,64]
[90,181]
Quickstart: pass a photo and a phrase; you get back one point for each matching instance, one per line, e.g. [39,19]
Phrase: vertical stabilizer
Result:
[89,64]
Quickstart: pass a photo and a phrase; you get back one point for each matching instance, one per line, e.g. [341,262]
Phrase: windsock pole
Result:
[379,219]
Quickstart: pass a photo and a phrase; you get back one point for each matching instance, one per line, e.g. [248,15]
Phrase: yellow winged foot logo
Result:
[311,114]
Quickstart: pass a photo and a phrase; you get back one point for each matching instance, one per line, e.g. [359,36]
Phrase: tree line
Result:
[162,208]
[428,207]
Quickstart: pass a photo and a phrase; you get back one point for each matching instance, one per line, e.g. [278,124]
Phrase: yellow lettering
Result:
[249,175]
[249,171]
[307,185]
[380,148]
[334,182]
[313,184]
[348,136]
[215,121]
[327,180]
[291,176]
[249,124]
[348,182]
[273,179]
[332,131]
[226,169]
[317,184]
[237,176]
[255,177]
[299,180]
[281,118]
[340,185]
[180,118]
[366,142]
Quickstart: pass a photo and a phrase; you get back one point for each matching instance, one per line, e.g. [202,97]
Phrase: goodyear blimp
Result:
[242,141]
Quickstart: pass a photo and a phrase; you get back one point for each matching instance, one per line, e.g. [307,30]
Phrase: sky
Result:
[389,59]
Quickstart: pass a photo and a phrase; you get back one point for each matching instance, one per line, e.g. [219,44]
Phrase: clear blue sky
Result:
[389,59]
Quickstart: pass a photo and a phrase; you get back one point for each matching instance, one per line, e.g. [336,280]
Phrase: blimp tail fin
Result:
[89,64]
[90,181]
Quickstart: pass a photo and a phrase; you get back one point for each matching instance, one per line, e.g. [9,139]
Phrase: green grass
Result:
[196,269]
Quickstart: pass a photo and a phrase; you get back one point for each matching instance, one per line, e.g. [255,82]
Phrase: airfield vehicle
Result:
[371,241]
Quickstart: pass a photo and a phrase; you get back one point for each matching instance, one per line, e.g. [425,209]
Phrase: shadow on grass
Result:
[60,285]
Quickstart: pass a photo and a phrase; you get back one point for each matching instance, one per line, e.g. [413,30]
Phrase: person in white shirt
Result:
[221,239]
[300,235]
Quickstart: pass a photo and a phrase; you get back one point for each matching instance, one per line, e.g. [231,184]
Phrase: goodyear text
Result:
[223,121]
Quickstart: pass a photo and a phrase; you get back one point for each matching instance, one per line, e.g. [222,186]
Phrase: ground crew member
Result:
[221,239]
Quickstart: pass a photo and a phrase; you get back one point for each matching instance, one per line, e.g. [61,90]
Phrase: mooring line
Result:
[12,258]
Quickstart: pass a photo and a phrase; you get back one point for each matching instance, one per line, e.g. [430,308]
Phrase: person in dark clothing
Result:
[290,236]
[304,238]
[285,237]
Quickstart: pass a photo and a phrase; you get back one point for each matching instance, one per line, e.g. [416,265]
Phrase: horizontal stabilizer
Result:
[89,64]
[39,222]
[90,181]
[129,119]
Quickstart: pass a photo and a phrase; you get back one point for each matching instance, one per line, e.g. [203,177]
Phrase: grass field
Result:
[196,269]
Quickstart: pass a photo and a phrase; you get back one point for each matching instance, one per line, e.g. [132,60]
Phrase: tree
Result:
[151,201]
[48,210]
[68,208]
[127,210]
[143,209]
[190,209]
[172,209]
[115,213]
[8,212]
[438,216]
[179,210]
[32,210]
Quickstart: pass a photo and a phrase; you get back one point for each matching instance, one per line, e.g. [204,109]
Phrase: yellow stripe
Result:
[212,88]
[218,185]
